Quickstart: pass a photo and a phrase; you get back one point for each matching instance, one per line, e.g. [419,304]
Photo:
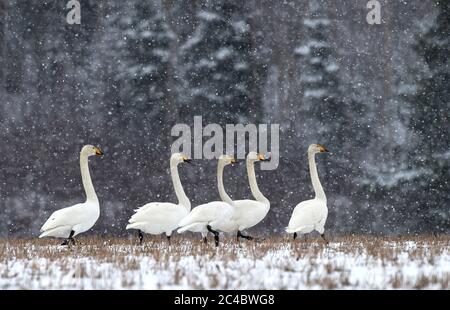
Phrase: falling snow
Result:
[377,96]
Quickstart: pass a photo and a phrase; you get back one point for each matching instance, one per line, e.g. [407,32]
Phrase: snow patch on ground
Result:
[192,265]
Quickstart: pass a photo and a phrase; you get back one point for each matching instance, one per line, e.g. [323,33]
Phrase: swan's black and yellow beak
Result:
[261,157]
[98,152]
[235,162]
[322,149]
[186,160]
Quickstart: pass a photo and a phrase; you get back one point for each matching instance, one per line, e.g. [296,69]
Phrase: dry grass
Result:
[347,262]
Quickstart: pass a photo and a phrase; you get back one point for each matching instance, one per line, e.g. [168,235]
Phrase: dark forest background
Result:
[377,96]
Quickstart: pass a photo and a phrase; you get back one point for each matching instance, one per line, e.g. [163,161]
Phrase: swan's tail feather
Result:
[45,234]
[289,230]
[184,221]
[133,225]
[47,225]
[184,228]
[181,230]
[58,232]
[187,227]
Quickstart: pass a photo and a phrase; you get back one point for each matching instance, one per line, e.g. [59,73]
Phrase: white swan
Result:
[247,213]
[163,217]
[206,217]
[71,221]
[311,214]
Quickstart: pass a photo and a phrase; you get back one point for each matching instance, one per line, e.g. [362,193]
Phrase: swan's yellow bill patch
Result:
[98,152]
[322,149]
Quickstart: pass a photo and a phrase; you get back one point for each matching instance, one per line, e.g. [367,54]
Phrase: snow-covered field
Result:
[276,263]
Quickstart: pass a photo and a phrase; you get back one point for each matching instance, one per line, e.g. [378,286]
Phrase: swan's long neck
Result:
[318,189]
[253,185]
[179,191]
[87,181]
[223,195]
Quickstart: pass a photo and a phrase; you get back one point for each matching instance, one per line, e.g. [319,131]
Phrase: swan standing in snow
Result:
[163,217]
[71,221]
[206,217]
[247,213]
[311,214]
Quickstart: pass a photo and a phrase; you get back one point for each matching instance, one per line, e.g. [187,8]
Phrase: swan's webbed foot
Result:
[69,239]
[324,239]
[240,235]
[141,236]
[216,235]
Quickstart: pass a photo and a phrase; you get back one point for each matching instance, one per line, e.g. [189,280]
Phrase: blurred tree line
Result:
[376,95]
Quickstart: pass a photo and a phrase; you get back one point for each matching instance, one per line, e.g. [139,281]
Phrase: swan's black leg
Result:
[216,234]
[216,240]
[324,239]
[141,236]
[240,235]
[168,239]
[69,239]
[205,240]
[295,235]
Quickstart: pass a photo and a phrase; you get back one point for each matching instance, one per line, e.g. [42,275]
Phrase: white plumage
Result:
[308,216]
[210,215]
[157,217]
[163,217]
[71,221]
[247,213]
[311,214]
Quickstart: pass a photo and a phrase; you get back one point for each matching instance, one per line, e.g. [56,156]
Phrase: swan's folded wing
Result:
[306,214]
[145,207]
[154,211]
[246,210]
[204,213]
[194,227]
[69,216]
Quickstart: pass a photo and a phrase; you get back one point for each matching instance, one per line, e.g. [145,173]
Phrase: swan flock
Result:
[226,215]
